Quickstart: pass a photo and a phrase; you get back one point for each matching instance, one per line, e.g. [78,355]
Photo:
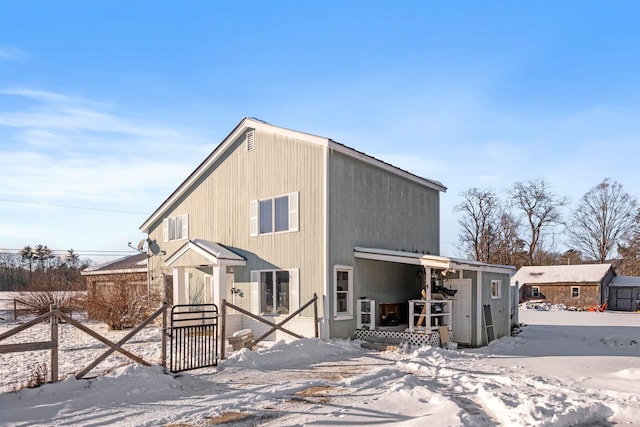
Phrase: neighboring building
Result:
[131,269]
[581,286]
[624,293]
[273,216]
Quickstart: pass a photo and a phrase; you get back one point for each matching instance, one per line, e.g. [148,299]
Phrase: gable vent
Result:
[251,141]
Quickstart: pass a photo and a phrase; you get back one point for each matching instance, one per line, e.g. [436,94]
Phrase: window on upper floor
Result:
[274,215]
[175,228]
[575,292]
[535,291]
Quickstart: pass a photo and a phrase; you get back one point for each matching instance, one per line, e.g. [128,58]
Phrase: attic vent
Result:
[251,141]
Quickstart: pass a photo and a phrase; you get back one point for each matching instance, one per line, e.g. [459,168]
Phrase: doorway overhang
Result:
[198,252]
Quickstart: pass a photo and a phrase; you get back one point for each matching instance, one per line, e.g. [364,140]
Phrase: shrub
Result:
[39,298]
[120,304]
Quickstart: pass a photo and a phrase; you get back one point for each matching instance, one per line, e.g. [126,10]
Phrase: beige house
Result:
[273,216]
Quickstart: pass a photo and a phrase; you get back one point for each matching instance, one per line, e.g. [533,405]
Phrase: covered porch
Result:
[444,305]
[203,272]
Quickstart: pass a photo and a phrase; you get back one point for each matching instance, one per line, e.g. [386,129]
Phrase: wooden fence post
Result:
[53,321]
[223,328]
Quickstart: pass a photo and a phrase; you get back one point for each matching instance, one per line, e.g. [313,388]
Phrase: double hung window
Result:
[343,296]
[274,215]
[175,228]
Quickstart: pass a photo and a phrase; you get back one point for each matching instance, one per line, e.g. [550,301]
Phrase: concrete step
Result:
[378,346]
[384,340]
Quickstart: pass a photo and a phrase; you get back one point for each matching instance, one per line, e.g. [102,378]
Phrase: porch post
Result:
[179,287]
[219,284]
[427,282]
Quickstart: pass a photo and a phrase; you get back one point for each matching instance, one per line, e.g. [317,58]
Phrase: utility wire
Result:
[72,207]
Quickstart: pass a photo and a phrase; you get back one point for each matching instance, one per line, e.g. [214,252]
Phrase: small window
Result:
[251,140]
[535,291]
[496,285]
[575,292]
[175,228]
[343,282]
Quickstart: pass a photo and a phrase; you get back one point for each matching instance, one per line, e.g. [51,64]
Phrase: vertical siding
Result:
[372,207]
[218,208]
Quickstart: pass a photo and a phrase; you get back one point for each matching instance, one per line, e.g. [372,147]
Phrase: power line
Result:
[72,207]
[84,252]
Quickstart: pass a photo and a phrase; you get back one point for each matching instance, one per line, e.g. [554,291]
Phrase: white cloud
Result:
[74,152]
[10,53]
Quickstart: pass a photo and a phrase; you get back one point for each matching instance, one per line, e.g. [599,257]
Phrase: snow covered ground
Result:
[563,368]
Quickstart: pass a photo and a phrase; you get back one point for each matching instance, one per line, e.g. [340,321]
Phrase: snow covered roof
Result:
[561,274]
[208,253]
[625,281]
[130,264]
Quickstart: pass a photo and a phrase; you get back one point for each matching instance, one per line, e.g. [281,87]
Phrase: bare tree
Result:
[509,244]
[540,208]
[480,222]
[604,218]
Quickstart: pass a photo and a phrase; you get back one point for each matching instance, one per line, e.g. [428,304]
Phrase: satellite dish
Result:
[141,246]
[154,248]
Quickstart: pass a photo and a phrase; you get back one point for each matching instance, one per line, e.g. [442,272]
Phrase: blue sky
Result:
[105,107]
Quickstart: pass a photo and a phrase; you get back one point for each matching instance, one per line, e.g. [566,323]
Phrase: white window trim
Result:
[575,287]
[498,287]
[171,221]
[293,218]
[349,314]
[533,291]
[294,291]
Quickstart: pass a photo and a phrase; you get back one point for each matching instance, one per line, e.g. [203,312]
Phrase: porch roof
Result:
[203,252]
[430,261]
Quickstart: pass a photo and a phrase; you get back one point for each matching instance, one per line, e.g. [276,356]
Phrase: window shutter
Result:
[185,226]
[251,140]
[253,218]
[294,215]
[255,292]
[165,230]
[294,290]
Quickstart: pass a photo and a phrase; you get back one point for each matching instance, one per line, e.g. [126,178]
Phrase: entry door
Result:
[461,310]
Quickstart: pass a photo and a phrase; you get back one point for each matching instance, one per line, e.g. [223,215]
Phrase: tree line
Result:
[521,227]
[38,267]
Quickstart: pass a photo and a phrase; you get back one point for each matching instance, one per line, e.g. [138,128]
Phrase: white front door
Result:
[461,310]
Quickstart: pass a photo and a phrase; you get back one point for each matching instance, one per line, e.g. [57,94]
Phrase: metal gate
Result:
[194,337]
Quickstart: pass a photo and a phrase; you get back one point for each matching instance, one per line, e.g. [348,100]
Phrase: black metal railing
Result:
[194,337]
